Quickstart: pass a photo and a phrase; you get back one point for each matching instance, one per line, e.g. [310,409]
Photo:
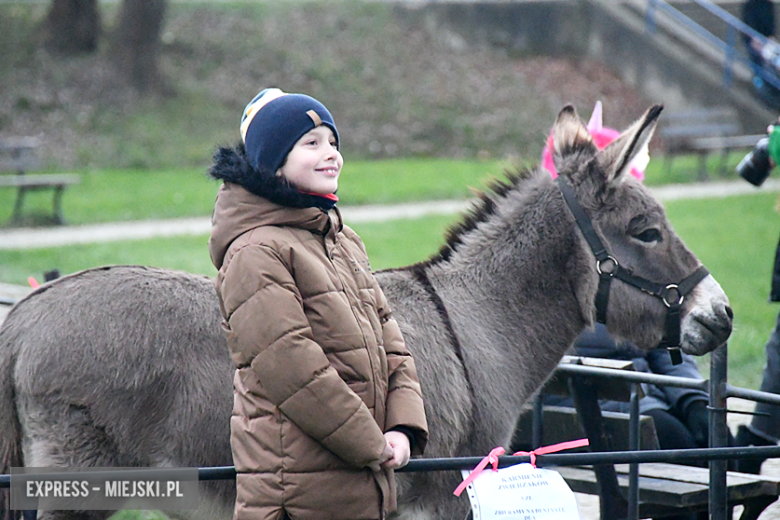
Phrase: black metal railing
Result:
[717,454]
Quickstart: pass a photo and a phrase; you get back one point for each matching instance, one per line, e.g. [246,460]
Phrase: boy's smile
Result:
[314,163]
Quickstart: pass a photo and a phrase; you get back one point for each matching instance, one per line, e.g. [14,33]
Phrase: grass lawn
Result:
[116,195]
[735,238]
[391,244]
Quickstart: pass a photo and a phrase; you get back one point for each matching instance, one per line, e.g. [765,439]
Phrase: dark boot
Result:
[745,437]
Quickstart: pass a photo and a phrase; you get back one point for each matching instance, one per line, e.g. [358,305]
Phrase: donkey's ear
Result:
[570,136]
[615,159]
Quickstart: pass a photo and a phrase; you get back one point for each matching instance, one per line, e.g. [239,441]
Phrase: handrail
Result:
[728,49]
[730,19]
[467,463]
[689,24]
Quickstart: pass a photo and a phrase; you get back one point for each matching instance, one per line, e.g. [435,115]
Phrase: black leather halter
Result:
[672,295]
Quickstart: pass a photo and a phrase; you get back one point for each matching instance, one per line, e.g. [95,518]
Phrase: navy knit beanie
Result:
[274,121]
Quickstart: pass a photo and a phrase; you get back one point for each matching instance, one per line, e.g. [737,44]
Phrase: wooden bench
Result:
[563,423]
[17,155]
[663,489]
[669,489]
[702,132]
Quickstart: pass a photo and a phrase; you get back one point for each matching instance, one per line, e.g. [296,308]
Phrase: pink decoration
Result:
[492,459]
[602,136]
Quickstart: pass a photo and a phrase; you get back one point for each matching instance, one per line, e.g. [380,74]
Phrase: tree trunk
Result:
[137,43]
[72,26]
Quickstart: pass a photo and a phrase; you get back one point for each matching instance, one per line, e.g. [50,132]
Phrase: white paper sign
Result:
[521,492]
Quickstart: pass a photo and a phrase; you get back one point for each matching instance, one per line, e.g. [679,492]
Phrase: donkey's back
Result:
[94,388]
[128,366]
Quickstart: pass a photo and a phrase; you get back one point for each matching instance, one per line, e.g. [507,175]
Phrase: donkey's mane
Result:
[480,211]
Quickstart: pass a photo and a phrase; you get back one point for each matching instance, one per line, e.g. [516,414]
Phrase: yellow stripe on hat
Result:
[254,107]
[315,117]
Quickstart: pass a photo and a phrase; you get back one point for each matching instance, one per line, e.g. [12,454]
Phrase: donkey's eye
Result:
[649,235]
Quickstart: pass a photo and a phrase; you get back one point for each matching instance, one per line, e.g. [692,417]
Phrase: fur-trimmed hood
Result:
[238,211]
[231,164]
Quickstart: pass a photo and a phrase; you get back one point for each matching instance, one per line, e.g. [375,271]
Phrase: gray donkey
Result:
[127,366]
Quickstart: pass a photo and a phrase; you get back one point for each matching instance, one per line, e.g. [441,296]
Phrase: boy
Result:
[327,401]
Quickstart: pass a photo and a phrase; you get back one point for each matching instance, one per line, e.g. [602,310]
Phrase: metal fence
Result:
[717,454]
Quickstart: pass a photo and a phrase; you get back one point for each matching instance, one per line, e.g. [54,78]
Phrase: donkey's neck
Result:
[514,290]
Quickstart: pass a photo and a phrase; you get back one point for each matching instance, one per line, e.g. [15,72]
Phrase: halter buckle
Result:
[610,262]
[668,289]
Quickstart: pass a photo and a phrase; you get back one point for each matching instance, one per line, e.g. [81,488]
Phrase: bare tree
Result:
[137,42]
[72,26]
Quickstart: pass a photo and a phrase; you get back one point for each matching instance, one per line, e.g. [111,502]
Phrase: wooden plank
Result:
[39,180]
[583,480]
[721,143]
[561,423]
[668,484]
[617,364]
[17,154]
[692,474]
[660,491]
[699,116]
[15,144]
[606,388]
[703,130]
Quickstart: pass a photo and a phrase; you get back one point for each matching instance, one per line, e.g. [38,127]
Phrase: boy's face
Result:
[314,163]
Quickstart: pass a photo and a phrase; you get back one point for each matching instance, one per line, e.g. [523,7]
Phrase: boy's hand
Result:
[387,456]
[399,443]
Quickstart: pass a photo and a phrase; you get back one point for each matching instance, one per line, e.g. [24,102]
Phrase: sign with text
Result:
[104,489]
[521,492]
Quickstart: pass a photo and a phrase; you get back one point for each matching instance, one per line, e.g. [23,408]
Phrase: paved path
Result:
[23,238]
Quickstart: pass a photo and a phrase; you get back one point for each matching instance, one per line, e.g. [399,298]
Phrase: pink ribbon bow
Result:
[492,458]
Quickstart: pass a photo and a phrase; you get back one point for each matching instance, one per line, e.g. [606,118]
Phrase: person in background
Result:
[759,15]
[680,415]
[764,427]
[763,54]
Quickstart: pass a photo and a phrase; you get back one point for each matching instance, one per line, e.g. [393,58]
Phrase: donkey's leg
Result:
[428,496]
[57,435]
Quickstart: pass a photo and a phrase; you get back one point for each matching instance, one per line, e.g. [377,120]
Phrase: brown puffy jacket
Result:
[322,369]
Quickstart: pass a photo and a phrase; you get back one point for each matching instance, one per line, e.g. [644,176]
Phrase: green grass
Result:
[116,195]
[684,169]
[183,253]
[735,238]
[401,180]
[390,244]
[395,88]
[139,515]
